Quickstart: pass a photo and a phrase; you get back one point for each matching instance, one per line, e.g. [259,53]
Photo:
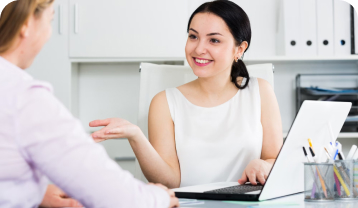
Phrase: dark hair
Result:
[239,24]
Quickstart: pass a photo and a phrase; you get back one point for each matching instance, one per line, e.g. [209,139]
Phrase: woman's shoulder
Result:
[262,82]
[159,98]
[264,85]
[266,90]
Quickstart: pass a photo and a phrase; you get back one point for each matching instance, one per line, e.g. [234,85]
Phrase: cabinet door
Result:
[52,64]
[128,28]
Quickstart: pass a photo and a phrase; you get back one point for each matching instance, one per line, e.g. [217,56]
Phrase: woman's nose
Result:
[201,48]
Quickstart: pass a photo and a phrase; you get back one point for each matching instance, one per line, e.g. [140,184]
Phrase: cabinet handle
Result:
[120,159]
[76,18]
[60,15]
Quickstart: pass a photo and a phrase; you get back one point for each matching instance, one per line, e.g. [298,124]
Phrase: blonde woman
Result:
[41,140]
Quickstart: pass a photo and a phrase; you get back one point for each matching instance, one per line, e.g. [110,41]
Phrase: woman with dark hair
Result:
[223,126]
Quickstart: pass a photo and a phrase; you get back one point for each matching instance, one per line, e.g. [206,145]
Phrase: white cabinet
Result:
[127,28]
[53,64]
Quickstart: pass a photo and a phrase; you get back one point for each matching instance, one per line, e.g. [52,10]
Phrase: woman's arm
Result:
[161,136]
[157,157]
[271,123]
[272,136]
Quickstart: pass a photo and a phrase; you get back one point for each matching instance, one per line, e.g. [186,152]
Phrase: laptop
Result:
[315,120]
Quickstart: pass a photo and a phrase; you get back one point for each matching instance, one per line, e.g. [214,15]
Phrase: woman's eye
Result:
[214,40]
[192,36]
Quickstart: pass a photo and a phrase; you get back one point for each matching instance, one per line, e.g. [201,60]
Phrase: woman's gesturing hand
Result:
[114,128]
[256,170]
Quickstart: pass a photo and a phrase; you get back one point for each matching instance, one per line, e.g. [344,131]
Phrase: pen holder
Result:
[344,181]
[319,182]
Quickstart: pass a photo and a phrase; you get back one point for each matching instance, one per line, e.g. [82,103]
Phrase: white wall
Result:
[263,16]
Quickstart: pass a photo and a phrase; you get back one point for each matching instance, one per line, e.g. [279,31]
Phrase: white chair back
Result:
[155,78]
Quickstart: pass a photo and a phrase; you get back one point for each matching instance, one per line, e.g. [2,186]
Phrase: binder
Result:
[352,30]
[288,38]
[325,44]
[341,25]
[355,30]
[308,27]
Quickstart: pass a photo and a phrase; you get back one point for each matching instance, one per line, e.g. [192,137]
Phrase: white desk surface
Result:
[293,201]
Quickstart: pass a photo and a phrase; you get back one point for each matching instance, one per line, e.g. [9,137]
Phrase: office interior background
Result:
[94,55]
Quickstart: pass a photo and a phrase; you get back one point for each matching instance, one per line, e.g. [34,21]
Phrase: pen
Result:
[328,156]
[338,185]
[335,155]
[314,175]
[310,143]
[355,156]
[319,174]
[339,146]
[331,149]
[351,152]
[340,156]
[342,167]
[341,180]
[339,177]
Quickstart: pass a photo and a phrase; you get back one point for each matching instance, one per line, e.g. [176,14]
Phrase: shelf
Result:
[308,58]
[342,135]
[125,60]
[257,59]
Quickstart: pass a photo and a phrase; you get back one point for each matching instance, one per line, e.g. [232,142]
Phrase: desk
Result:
[293,201]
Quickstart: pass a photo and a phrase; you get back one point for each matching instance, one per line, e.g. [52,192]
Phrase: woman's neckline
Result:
[208,107]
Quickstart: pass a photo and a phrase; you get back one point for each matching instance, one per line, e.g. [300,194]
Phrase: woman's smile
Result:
[201,61]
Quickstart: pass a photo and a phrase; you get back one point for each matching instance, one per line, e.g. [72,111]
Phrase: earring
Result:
[237,59]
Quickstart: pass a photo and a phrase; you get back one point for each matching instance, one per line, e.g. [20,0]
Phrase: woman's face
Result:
[210,48]
[35,34]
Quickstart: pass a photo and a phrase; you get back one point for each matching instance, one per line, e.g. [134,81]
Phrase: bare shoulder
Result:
[159,100]
[264,84]
[265,87]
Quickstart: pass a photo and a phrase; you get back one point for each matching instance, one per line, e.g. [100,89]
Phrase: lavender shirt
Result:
[41,140]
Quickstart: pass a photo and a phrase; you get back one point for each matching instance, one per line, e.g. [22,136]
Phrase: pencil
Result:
[319,176]
[341,180]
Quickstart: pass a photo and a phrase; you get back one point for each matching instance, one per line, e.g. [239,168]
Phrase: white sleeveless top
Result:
[216,144]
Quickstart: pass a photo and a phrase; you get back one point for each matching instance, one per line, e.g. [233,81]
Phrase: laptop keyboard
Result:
[239,189]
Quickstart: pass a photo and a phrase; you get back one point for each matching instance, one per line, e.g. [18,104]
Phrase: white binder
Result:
[288,38]
[342,29]
[356,30]
[308,27]
[325,27]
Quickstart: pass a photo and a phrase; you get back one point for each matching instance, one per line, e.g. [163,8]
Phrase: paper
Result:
[190,202]
[264,203]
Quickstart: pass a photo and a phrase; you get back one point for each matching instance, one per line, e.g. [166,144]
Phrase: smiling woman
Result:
[239,28]
[223,126]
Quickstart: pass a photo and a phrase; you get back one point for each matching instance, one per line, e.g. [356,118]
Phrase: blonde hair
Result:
[15,15]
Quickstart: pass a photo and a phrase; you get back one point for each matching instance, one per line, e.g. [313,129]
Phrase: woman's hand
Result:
[256,170]
[55,197]
[114,128]
[174,202]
